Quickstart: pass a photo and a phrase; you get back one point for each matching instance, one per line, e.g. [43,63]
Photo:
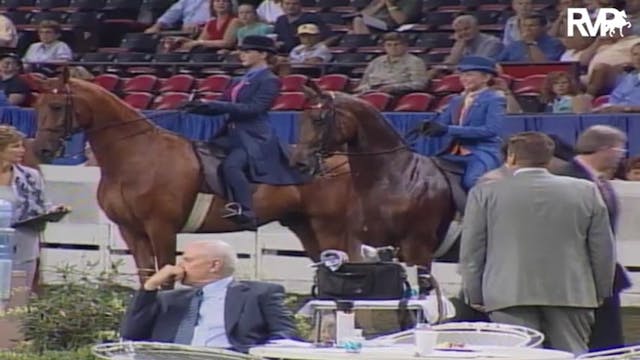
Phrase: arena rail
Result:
[272,254]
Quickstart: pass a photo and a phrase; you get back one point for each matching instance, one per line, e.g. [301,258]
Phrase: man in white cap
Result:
[311,50]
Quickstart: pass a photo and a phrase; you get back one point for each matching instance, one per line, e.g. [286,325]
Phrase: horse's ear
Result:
[312,92]
[66,75]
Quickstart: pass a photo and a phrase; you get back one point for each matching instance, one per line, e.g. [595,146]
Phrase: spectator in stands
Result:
[249,24]
[311,50]
[632,170]
[470,41]
[287,25]
[50,49]
[16,90]
[512,27]
[8,33]
[505,235]
[558,28]
[191,13]
[386,15]
[600,150]
[24,187]
[535,45]
[219,32]
[606,58]
[560,93]
[270,10]
[625,97]
[633,12]
[472,121]
[397,72]
[216,311]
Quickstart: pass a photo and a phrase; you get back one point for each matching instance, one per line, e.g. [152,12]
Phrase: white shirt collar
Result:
[217,286]
[530,169]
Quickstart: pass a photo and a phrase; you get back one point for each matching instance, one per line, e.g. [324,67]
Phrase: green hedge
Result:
[82,354]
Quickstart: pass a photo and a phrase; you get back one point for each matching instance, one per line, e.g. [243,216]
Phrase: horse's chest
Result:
[112,201]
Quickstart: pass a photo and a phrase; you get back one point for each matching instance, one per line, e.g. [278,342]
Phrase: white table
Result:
[405,352]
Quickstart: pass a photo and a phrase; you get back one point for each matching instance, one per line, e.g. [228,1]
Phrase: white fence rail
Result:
[272,254]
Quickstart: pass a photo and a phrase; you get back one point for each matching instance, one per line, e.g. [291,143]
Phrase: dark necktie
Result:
[184,334]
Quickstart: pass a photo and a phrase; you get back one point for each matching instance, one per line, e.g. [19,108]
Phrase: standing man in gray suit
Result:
[537,249]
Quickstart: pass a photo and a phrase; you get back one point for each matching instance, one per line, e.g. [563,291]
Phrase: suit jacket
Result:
[536,239]
[254,313]
[575,169]
[247,127]
[479,130]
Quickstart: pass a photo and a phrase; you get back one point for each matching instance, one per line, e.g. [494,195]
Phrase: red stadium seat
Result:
[293,82]
[180,83]
[108,81]
[289,101]
[447,85]
[214,83]
[333,82]
[140,100]
[600,100]
[210,95]
[414,102]
[443,102]
[170,100]
[141,83]
[379,100]
[530,84]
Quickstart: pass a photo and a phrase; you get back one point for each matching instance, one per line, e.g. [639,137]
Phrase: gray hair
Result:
[466,19]
[599,137]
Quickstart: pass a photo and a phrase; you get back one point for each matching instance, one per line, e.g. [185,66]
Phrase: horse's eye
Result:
[55,107]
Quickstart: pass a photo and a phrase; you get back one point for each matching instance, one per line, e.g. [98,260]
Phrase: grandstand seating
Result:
[128,62]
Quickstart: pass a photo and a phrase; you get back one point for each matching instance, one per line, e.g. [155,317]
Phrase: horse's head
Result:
[60,114]
[325,127]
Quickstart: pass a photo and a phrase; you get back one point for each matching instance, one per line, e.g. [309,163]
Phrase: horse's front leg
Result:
[142,251]
[163,239]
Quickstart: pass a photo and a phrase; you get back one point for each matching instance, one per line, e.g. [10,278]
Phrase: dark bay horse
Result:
[403,198]
[150,178]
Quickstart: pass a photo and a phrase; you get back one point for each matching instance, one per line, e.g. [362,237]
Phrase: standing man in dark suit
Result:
[600,149]
[216,311]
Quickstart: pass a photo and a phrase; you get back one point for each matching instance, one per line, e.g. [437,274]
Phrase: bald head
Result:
[209,260]
[465,27]
[469,20]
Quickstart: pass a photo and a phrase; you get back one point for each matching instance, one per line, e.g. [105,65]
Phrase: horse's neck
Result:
[377,151]
[115,138]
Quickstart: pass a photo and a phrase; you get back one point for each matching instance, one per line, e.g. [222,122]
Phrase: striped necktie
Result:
[184,334]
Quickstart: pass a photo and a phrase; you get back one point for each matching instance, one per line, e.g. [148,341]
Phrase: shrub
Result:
[81,354]
[81,310]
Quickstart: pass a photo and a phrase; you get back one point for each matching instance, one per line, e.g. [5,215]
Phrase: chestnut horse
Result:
[403,198]
[150,178]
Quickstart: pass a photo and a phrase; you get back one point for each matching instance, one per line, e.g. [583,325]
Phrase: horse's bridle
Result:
[67,127]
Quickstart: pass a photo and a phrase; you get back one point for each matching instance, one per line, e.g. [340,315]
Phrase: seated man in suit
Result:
[216,311]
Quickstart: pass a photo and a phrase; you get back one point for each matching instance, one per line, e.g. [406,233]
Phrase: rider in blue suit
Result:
[253,151]
[472,121]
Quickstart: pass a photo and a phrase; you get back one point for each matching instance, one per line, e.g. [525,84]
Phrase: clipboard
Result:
[53,216]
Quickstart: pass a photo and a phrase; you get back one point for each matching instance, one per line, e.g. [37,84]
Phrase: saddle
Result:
[453,172]
[210,157]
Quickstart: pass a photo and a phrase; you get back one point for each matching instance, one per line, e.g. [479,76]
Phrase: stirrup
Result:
[232,209]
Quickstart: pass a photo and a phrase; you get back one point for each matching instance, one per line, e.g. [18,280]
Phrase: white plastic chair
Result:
[475,333]
[130,350]
[624,353]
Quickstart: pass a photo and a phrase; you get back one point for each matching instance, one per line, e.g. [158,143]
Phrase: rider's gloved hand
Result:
[433,128]
[195,106]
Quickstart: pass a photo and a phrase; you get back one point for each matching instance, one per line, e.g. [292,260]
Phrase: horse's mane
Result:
[348,99]
[93,88]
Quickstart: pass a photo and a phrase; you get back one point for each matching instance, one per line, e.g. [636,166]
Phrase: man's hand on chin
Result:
[169,273]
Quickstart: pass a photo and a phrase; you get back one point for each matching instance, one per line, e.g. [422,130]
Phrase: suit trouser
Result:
[233,173]
[564,328]
[473,168]
[607,331]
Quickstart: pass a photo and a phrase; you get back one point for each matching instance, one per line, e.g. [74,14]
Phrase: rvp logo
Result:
[607,22]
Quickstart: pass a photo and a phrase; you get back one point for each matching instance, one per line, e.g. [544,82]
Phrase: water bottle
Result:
[345,322]
[7,248]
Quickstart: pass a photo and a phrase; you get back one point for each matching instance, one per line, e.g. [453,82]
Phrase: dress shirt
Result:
[210,329]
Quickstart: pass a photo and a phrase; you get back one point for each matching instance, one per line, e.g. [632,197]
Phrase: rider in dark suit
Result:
[216,311]
[472,121]
[254,153]
[601,148]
